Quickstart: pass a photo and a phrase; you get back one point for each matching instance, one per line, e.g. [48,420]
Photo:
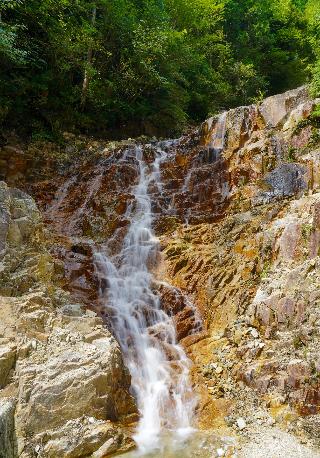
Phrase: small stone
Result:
[271,421]
[220,452]
[219,370]
[237,336]
[217,337]
[73,310]
[254,333]
[241,424]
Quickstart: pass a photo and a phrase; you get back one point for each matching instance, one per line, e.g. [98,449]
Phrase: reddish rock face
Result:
[177,304]
[88,208]
[79,277]
[238,217]
[294,381]
[302,138]
[283,312]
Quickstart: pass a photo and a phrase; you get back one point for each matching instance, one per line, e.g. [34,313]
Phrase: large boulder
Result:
[72,371]
[275,109]
[7,361]
[89,437]
[19,217]
[287,180]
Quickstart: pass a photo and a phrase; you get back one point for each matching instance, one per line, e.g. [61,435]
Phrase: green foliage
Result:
[306,230]
[313,17]
[291,154]
[150,66]
[8,50]
[265,271]
[315,84]
[315,116]
[270,35]
[315,138]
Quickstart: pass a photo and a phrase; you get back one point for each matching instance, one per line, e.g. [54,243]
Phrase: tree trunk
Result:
[86,79]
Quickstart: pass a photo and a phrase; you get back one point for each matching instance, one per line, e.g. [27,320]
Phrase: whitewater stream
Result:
[127,266]
[158,365]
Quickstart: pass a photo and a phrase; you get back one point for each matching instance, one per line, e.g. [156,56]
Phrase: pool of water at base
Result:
[199,444]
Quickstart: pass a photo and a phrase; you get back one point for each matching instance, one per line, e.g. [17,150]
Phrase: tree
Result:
[313,17]
[126,67]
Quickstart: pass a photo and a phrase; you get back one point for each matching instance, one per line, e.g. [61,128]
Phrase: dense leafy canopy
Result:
[148,66]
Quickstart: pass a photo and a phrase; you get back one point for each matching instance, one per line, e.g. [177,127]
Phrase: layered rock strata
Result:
[255,271]
[238,219]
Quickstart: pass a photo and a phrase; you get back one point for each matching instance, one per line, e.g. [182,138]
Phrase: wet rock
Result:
[172,300]
[241,123]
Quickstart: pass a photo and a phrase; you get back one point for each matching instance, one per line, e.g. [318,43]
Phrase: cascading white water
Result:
[218,138]
[158,365]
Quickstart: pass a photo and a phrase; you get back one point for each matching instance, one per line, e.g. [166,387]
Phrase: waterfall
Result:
[158,365]
[218,136]
[215,133]
[215,146]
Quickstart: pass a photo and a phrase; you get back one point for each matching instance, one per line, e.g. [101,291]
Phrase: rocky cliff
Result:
[62,380]
[254,271]
[238,216]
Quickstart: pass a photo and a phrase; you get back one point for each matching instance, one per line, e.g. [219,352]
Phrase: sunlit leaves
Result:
[160,63]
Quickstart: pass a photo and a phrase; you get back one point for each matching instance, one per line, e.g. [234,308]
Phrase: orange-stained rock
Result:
[238,217]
